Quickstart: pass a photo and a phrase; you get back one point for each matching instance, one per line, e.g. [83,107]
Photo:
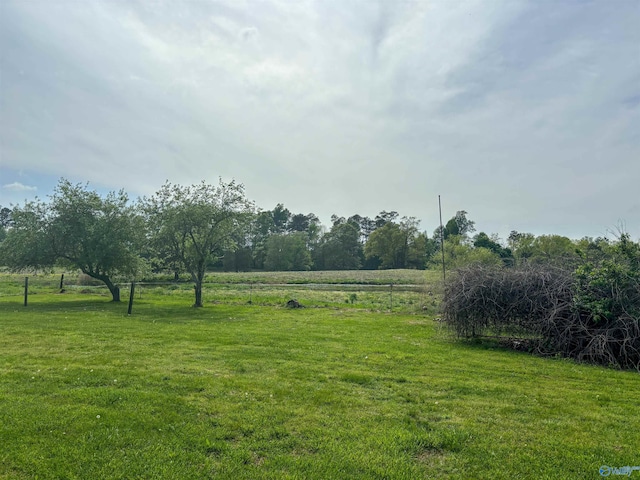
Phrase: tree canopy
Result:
[101,236]
[192,226]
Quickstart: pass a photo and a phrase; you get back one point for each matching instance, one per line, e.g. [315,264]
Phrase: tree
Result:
[459,253]
[341,248]
[482,240]
[281,217]
[554,249]
[521,244]
[260,228]
[194,225]
[385,217]
[5,217]
[5,222]
[397,245]
[27,244]
[78,228]
[298,223]
[459,225]
[287,252]
[237,261]
[388,243]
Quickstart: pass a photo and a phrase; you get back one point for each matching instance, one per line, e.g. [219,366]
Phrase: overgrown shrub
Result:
[591,314]
[482,300]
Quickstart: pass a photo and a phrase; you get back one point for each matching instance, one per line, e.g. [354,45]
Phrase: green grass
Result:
[409,291]
[249,391]
[367,277]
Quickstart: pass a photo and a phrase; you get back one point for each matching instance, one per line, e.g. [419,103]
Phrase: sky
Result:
[524,113]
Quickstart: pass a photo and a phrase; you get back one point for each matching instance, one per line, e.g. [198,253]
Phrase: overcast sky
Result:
[524,113]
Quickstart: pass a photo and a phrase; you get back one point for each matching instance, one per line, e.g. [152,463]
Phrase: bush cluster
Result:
[591,313]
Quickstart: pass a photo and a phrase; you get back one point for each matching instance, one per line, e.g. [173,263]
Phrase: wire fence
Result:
[388,297]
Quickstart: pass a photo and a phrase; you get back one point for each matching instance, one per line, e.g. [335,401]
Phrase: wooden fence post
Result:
[131,292]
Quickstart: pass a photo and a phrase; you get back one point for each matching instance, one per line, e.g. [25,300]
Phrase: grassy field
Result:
[258,391]
[408,291]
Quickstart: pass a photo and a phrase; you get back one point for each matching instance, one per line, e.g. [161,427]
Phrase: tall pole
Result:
[444,275]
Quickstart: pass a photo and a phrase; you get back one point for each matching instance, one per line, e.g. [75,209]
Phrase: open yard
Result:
[237,390]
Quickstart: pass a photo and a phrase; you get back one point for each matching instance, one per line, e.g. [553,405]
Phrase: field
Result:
[338,390]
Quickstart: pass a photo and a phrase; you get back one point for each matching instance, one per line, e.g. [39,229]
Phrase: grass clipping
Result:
[537,308]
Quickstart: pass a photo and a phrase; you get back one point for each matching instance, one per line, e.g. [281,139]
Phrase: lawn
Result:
[259,391]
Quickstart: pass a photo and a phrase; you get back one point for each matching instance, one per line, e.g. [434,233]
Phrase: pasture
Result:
[257,391]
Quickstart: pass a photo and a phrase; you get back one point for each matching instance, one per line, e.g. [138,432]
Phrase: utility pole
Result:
[444,275]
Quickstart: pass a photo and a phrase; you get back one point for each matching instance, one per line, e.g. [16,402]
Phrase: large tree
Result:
[287,252]
[459,225]
[78,228]
[399,245]
[340,248]
[5,221]
[194,225]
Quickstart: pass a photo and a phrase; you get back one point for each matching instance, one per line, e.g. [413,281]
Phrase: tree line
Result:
[190,229]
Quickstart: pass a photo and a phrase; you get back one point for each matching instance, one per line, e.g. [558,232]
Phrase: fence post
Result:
[131,292]
[61,283]
[391,297]
[26,290]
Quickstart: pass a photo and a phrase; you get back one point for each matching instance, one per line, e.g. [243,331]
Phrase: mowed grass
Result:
[253,392]
[408,291]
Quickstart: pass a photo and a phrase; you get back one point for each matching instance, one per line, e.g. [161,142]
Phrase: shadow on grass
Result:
[152,311]
[493,344]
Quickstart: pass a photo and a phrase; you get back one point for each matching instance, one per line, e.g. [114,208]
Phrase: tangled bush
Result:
[591,314]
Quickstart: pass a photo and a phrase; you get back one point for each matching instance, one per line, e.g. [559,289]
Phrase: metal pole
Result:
[444,275]
[26,290]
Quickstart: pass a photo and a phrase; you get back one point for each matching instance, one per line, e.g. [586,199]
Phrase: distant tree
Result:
[459,253]
[237,261]
[5,217]
[388,243]
[28,243]
[298,223]
[336,220]
[554,249]
[367,227]
[420,251]
[482,240]
[281,217]
[260,228]
[195,225]
[341,247]
[5,221]
[459,225]
[521,245]
[385,217]
[287,252]
[102,237]
[398,245]
[594,250]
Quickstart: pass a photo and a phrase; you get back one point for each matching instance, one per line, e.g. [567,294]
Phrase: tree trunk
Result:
[198,289]
[113,288]
[198,276]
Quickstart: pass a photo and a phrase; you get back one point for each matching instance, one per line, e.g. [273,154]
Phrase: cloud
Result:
[19,187]
[525,116]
